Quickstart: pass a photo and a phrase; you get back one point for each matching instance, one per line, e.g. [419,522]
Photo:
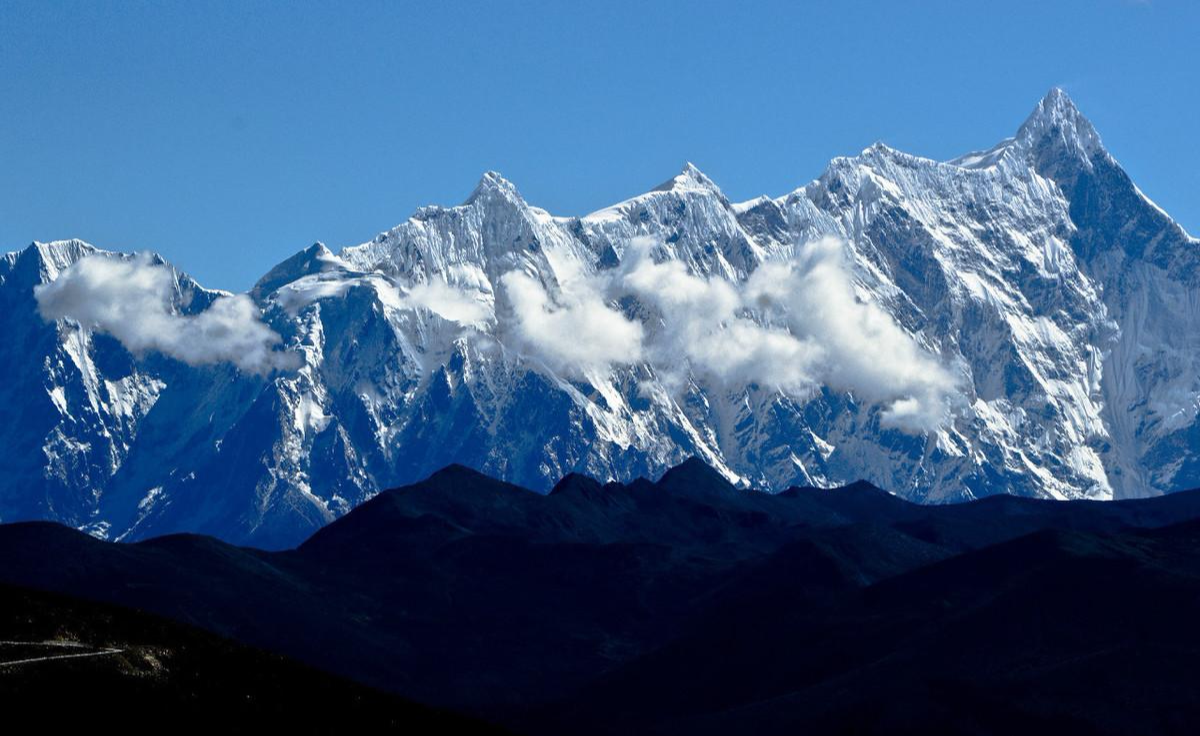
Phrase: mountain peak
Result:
[1058,98]
[690,178]
[1057,126]
[316,258]
[458,471]
[492,186]
[878,148]
[72,248]
[694,477]
[42,262]
[577,483]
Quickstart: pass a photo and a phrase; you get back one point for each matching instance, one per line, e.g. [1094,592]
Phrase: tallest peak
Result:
[1057,125]
[1057,99]
[1057,107]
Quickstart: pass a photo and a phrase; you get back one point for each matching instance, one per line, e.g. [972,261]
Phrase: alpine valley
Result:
[1033,318]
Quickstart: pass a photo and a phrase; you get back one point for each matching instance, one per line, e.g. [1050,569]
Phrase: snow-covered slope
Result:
[1019,320]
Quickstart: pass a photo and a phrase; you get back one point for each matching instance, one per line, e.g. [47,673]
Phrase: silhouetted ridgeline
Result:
[682,606]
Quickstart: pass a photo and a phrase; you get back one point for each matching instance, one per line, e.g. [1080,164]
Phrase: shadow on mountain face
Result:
[689,606]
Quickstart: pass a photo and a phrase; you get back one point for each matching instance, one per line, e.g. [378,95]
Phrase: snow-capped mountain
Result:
[1018,320]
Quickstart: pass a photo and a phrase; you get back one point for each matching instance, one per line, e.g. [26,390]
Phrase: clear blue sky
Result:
[229,135]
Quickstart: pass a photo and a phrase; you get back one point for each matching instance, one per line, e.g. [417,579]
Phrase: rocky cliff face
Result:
[1019,320]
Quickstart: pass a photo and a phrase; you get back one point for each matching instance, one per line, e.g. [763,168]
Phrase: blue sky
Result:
[227,136]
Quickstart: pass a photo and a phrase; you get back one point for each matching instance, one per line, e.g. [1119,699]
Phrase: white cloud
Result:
[448,302]
[131,299]
[791,326]
[865,350]
[304,291]
[576,332]
[704,322]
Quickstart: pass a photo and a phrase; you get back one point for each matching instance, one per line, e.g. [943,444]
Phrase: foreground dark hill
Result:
[1054,632]
[67,663]
[461,590]
[688,606]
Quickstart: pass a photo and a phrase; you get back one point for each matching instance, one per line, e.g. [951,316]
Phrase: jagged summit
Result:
[1056,127]
[689,178]
[1056,103]
[314,259]
[40,261]
[492,185]
[689,184]
[65,243]
[58,251]
[879,148]
[1055,134]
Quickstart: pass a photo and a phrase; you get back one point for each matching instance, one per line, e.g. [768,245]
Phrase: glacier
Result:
[1034,276]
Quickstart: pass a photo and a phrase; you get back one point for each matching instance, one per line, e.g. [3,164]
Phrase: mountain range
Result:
[1020,320]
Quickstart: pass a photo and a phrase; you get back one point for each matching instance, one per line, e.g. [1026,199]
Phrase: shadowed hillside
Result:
[686,605]
[69,663]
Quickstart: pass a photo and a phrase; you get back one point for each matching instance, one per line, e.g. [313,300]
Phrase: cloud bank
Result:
[791,326]
[131,299]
